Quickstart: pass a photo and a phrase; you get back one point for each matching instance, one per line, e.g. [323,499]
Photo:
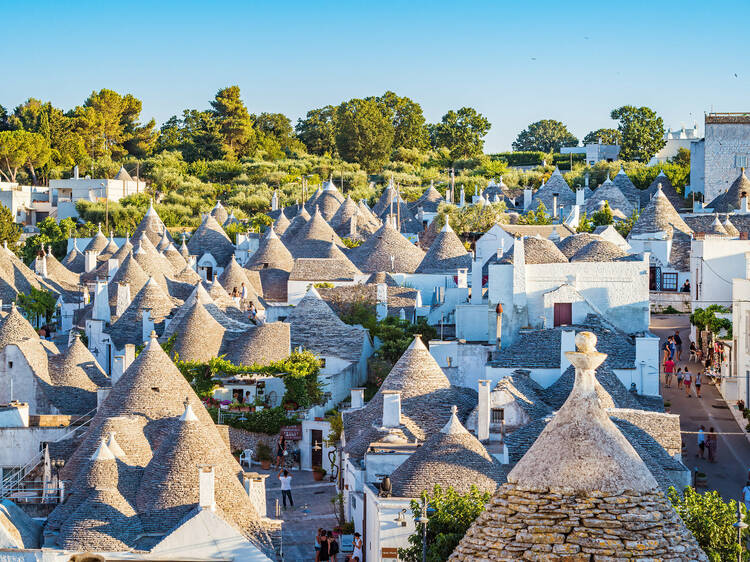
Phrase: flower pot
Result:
[318,476]
[701,481]
[265,464]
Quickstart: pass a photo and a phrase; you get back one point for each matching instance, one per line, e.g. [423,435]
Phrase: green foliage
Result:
[22,149]
[452,516]
[54,234]
[396,335]
[546,135]
[349,243]
[263,452]
[605,136]
[337,428]
[540,216]
[364,133]
[471,218]
[624,227]
[642,132]
[603,216]
[710,519]
[461,132]
[38,305]
[522,157]
[565,161]
[10,232]
[585,224]
[706,319]
[682,158]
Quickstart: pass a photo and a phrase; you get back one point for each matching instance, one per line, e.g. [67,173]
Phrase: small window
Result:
[10,364]
[265,265]
[497,415]
[668,281]
[155,388]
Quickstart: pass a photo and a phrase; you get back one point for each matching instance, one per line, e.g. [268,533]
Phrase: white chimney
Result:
[526,198]
[391,408]
[113,264]
[381,308]
[554,204]
[123,298]
[586,179]
[101,302]
[743,203]
[89,260]
[353,226]
[147,324]
[206,488]
[41,266]
[462,281]
[275,201]
[463,197]
[358,397]
[75,172]
[579,196]
[483,411]
[129,356]
[118,368]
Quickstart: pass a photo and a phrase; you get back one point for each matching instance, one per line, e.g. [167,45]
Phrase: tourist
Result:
[236,296]
[665,350]
[711,444]
[679,377]
[252,312]
[280,451]
[701,442]
[243,296]
[678,345]
[333,547]
[318,538]
[685,287]
[323,555]
[672,347]
[357,544]
[286,487]
[698,384]
[668,372]
[687,380]
[746,495]
[693,350]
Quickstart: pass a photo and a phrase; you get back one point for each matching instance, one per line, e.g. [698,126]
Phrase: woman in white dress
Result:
[357,552]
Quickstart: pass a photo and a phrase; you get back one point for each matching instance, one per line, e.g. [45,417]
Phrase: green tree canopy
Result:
[540,216]
[603,216]
[365,133]
[235,123]
[642,132]
[546,135]
[462,132]
[10,231]
[317,131]
[606,136]
[22,149]
[407,119]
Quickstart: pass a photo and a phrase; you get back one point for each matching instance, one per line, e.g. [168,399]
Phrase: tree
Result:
[397,335]
[4,126]
[10,231]
[682,157]
[461,132]
[585,224]
[642,132]
[37,305]
[407,119]
[452,515]
[540,216]
[605,136]
[235,123]
[317,131]
[624,227]
[365,134]
[706,319]
[710,519]
[546,135]
[19,149]
[603,216]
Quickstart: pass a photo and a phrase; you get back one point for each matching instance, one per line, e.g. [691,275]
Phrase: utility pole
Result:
[453,185]
[398,207]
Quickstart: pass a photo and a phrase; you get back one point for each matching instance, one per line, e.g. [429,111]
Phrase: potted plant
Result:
[701,480]
[264,455]
[667,406]
[318,473]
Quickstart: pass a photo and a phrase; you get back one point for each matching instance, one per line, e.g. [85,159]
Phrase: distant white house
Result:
[28,204]
[595,152]
[681,138]
[69,191]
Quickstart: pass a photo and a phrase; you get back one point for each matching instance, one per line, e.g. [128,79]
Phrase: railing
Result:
[15,487]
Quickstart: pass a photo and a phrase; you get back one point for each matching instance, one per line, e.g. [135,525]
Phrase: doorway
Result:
[563,314]
[317,447]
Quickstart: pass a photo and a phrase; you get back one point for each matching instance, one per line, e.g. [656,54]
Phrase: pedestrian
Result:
[280,450]
[252,312]
[679,377]
[318,538]
[687,381]
[711,444]
[357,543]
[286,487]
[323,554]
[693,350]
[672,348]
[668,372]
[665,350]
[243,295]
[698,384]
[678,345]
[701,442]
[333,547]
[746,495]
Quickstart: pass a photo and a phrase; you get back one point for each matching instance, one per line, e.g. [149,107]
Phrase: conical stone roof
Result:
[730,228]
[261,345]
[219,213]
[452,457]
[295,225]
[109,250]
[151,226]
[627,187]
[430,200]
[164,243]
[199,336]
[579,472]
[346,211]
[313,238]
[446,254]
[97,243]
[153,263]
[667,188]
[608,191]
[281,224]
[130,273]
[123,251]
[128,328]
[15,328]
[175,258]
[234,275]
[75,261]
[77,371]
[329,202]
[659,215]
[716,228]
[271,253]
[571,244]
[376,253]
[210,238]
[730,200]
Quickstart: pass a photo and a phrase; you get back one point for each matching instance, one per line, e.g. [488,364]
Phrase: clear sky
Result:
[516,62]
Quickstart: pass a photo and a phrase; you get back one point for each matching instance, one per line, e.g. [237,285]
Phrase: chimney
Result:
[101,302]
[579,196]
[41,266]
[483,411]
[498,324]
[147,324]
[75,172]
[527,198]
[275,201]
[358,397]
[129,356]
[123,298]
[463,197]
[206,487]
[90,260]
[586,180]
[743,203]
[554,204]
[353,226]
[118,368]
[255,486]
[391,408]
[462,279]
[381,308]
[113,264]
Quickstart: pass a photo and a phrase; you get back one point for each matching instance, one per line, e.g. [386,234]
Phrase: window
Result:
[497,415]
[668,281]
[10,364]
[741,160]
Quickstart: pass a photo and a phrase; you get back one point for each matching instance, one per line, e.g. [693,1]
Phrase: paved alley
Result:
[729,473]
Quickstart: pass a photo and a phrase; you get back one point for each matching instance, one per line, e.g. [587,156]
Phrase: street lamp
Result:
[424,519]
[740,525]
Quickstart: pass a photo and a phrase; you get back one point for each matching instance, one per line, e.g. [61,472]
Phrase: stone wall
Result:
[659,300]
[723,142]
[240,439]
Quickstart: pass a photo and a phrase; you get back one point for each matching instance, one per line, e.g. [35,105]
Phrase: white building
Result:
[594,151]
[70,190]
[28,204]
[682,138]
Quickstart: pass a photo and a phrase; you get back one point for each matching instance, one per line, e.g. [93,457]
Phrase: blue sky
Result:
[515,62]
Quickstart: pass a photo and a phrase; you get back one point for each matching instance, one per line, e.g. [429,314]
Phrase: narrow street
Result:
[728,474]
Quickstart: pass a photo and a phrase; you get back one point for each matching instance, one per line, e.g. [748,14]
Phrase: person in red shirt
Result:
[668,372]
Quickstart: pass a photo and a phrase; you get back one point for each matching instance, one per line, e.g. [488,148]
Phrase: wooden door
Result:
[317,447]
[563,313]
